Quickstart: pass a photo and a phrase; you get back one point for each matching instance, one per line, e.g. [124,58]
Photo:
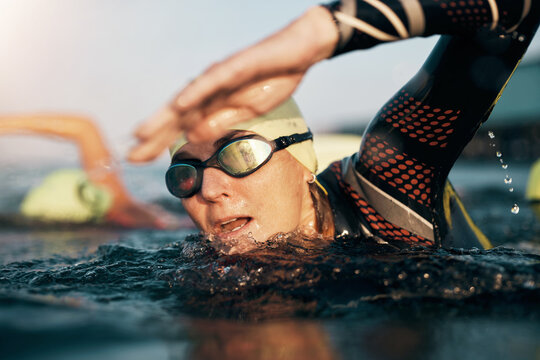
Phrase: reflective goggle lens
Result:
[243,156]
[181,179]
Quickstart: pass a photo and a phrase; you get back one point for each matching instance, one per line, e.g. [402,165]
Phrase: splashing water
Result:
[504,166]
[279,279]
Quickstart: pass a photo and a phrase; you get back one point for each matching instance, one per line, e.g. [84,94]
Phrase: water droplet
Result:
[499,154]
[507,180]
[491,134]
[511,189]
[492,145]
[504,166]
[501,161]
[521,38]
[515,209]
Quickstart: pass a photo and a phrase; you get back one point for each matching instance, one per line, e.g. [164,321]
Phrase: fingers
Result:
[264,95]
[243,105]
[150,148]
[155,123]
[215,125]
[210,121]
[159,132]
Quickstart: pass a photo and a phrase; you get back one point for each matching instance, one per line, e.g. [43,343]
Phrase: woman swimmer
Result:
[96,194]
[395,188]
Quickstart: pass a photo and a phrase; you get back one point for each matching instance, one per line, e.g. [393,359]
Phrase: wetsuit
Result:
[395,188]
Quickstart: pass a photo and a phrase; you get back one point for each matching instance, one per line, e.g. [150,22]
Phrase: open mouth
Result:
[232,225]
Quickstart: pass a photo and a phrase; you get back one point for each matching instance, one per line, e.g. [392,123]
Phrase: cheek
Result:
[194,210]
[280,191]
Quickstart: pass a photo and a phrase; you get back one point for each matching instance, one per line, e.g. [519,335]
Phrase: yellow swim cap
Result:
[66,196]
[533,184]
[284,120]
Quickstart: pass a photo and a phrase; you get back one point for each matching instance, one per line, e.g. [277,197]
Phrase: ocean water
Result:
[106,293]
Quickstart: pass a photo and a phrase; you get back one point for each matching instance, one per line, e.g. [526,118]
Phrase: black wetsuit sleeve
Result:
[366,23]
[410,146]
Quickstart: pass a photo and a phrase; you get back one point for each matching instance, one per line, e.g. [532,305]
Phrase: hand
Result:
[247,84]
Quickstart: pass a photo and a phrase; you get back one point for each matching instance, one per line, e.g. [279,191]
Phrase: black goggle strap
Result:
[285,141]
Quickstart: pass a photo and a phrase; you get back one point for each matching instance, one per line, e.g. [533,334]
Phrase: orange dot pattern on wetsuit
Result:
[379,226]
[471,13]
[424,123]
[405,173]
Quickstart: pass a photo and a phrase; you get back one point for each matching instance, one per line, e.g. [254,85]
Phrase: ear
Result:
[308,176]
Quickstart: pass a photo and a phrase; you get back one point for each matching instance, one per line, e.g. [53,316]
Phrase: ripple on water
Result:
[347,277]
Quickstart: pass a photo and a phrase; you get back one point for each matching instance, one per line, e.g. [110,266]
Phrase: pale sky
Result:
[119,60]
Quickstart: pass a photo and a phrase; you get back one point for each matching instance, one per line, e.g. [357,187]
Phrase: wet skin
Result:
[273,199]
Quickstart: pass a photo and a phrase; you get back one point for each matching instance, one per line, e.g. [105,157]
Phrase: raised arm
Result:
[410,146]
[260,77]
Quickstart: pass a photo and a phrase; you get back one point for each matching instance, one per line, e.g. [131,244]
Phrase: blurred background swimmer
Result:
[93,194]
[533,188]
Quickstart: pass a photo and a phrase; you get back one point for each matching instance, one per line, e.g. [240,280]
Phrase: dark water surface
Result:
[105,293]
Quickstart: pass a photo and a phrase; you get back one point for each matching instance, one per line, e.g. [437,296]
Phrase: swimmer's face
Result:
[273,199]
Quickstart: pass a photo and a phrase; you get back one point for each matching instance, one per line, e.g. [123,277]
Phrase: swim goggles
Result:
[238,157]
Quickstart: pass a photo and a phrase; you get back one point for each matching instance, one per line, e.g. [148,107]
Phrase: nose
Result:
[215,185]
